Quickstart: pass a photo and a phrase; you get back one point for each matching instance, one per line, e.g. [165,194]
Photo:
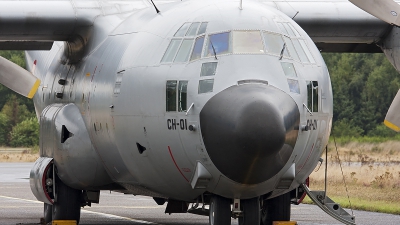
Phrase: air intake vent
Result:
[264,82]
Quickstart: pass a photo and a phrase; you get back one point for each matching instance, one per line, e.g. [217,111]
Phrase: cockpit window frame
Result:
[292,43]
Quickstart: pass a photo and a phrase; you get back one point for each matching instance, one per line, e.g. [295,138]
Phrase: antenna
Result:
[158,11]
[241,4]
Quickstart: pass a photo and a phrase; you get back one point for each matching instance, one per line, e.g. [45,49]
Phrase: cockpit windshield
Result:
[191,42]
[218,44]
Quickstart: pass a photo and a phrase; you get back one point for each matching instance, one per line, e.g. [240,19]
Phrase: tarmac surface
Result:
[19,206]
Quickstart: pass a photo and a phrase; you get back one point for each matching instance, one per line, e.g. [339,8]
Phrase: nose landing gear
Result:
[275,209]
[220,211]
[251,211]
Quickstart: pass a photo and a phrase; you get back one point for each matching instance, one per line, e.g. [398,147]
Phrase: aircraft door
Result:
[183,122]
[312,125]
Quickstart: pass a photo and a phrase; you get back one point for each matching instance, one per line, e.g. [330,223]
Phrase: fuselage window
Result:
[171,95]
[312,95]
[193,29]
[294,86]
[198,47]
[208,69]
[171,50]
[289,69]
[206,86]
[218,44]
[184,51]
[274,44]
[203,28]
[182,96]
[247,42]
[182,31]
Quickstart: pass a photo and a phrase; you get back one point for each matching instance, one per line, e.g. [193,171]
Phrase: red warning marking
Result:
[173,159]
[301,167]
[34,67]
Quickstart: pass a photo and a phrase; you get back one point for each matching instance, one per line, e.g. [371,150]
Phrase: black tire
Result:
[48,213]
[251,211]
[220,211]
[68,202]
[276,209]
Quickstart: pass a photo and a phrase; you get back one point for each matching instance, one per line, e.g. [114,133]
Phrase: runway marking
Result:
[111,216]
[128,207]
[20,199]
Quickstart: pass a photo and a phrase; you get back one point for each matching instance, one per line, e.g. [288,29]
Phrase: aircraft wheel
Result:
[276,209]
[47,214]
[220,211]
[68,202]
[251,211]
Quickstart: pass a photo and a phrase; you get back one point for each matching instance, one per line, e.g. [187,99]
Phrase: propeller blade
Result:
[386,10]
[17,78]
[392,119]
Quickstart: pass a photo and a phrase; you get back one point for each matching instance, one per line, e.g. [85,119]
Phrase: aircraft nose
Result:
[249,131]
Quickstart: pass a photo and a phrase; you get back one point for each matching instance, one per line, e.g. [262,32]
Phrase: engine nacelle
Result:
[64,137]
[391,47]
[41,180]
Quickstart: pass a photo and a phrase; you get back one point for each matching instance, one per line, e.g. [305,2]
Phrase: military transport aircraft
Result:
[224,106]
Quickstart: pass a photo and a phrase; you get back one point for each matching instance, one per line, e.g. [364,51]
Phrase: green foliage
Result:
[25,134]
[346,128]
[3,129]
[364,86]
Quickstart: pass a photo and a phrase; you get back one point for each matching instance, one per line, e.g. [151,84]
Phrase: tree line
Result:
[364,86]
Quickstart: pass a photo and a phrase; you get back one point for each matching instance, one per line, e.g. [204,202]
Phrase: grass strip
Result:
[364,204]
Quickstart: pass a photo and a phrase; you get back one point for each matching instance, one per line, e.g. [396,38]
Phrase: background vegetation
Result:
[364,86]
[18,123]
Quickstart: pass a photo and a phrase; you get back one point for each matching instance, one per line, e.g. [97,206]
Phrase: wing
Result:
[338,25]
[35,25]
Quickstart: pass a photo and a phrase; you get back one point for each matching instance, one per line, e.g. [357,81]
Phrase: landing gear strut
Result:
[220,210]
[67,204]
[275,209]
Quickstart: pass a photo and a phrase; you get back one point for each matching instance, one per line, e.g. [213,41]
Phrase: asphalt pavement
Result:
[19,206]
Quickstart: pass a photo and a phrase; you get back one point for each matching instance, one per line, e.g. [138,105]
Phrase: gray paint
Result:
[102,47]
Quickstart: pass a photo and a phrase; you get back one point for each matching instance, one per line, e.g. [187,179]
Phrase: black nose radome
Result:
[249,131]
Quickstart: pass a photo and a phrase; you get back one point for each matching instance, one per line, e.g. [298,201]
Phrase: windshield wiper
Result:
[283,50]
[215,53]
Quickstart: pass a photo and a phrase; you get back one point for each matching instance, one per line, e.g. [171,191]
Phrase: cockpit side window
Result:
[218,44]
[182,96]
[312,95]
[247,42]
[171,51]
[184,51]
[193,29]
[182,31]
[203,28]
[181,45]
[289,69]
[198,47]
[292,50]
[296,44]
[274,43]
[171,95]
